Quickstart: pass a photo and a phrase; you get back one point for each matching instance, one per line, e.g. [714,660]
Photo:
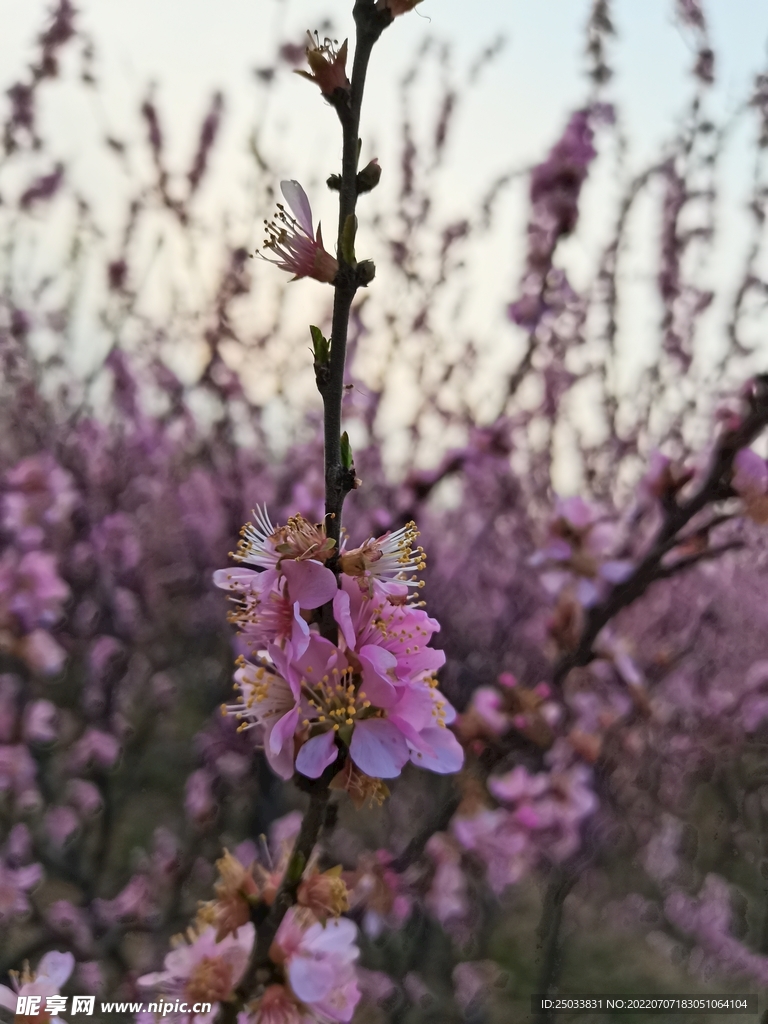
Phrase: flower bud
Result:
[324,894]
[368,178]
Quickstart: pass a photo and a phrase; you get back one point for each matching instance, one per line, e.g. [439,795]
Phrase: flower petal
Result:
[377,663]
[428,659]
[56,966]
[448,754]
[299,632]
[235,578]
[343,616]
[279,745]
[378,748]
[309,582]
[297,199]
[316,754]
[311,979]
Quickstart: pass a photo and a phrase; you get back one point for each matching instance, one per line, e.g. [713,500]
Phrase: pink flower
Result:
[41,652]
[18,769]
[14,886]
[277,1006]
[269,700]
[386,562]
[18,848]
[750,481]
[292,239]
[199,801]
[133,903]
[391,641]
[269,604]
[284,830]
[118,545]
[41,496]
[72,923]
[203,971]
[84,797]
[579,552]
[40,721]
[499,842]
[486,709]
[379,891]
[60,824]
[327,66]
[374,693]
[31,589]
[472,982]
[707,918]
[319,963]
[94,748]
[265,613]
[52,972]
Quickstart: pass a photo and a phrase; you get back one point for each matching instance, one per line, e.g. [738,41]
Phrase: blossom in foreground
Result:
[203,970]
[386,562]
[328,65]
[373,694]
[319,963]
[397,7]
[52,973]
[292,238]
[276,1006]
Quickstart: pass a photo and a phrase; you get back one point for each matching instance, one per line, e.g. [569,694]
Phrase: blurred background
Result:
[569,241]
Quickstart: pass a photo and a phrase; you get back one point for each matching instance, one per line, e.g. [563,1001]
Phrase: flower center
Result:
[335,698]
[211,981]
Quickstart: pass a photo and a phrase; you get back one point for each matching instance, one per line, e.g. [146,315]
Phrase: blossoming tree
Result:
[605,651]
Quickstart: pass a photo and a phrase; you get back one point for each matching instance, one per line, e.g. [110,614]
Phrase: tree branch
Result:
[715,487]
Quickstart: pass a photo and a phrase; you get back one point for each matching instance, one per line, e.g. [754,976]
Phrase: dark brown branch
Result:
[715,487]
[339,480]
[560,884]
[439,823]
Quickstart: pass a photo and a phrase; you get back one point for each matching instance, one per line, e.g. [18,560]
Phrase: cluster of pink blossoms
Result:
[539,817]
[579,553]
[36,503]
[373,694]
[309,976]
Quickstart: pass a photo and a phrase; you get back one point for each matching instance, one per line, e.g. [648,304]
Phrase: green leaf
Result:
[295,869]
[320,346]
[346,452]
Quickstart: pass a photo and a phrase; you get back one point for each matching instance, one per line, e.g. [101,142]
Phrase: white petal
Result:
[296,198]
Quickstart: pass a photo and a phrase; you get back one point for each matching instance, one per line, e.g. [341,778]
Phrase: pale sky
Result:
[510,120]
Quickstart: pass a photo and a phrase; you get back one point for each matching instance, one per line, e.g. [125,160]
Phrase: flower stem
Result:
[339,481]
